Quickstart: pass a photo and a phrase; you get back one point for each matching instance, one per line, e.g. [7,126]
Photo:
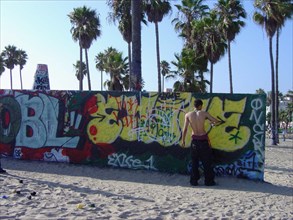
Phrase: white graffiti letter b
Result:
[32,132]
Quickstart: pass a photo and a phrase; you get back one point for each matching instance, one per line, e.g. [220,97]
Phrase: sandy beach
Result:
[42,190]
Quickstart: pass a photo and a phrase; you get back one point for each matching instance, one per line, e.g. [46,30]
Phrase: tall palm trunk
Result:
[129,61]
[158,57]
[277,84]
[273,115]
[101,80]
[212,76]
[136,7]
[202,83]
[20,78]
[163,86]
[230,67]
[88,70]
[11,79]
[80,69]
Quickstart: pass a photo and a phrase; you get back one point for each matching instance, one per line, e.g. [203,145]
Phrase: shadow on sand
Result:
[126,175]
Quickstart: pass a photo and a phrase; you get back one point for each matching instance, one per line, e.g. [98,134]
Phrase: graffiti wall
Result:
[135,130]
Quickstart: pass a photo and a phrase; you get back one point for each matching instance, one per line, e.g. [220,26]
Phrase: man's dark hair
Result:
[197,103]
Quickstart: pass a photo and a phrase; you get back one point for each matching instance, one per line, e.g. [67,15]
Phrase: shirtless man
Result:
[200,147]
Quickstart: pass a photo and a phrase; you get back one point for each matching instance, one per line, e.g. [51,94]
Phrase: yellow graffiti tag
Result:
[228,136]
[104,128]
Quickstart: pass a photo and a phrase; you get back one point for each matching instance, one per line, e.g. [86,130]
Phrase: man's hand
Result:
[183,144]
[215,123]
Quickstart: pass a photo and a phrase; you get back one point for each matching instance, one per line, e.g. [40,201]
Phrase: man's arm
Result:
[186,123]
[212,119]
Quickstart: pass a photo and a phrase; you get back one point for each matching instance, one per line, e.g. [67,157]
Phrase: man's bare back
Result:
[196,120]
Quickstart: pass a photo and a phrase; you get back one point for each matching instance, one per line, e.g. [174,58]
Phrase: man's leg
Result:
[206,157]
[194,176]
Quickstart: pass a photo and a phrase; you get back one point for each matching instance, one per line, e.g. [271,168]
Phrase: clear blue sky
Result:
[42,29]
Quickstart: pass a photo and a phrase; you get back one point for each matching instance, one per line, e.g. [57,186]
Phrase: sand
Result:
[42,190]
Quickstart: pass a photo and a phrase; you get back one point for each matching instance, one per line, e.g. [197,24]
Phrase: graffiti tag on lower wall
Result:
[135,130]
[124,161]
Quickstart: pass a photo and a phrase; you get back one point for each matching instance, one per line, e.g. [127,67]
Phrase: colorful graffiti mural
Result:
[136,130]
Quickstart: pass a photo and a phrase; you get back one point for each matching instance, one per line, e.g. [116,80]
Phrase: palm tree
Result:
[121,12]
[125,82]
[208,37]
[126,31]
[85,28]
[115,65]
[21,61]
[10,59]
[77,68]
[178,63]
[2,66]
[100,59]
[269,98]
[285,9]
[266,17]
[166,72]
[289,109]
[187,64]
[156,10]
[260,91]
[187,12]
[230,13]
[136,76]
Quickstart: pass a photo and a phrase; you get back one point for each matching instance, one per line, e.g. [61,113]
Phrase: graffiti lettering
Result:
[124,161]
[258,128]
[10,119]
[240,167]
[169,95]
[158,127]
[39,123]
[229,136]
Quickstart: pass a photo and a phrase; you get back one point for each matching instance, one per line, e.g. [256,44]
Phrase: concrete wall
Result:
[131,130]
